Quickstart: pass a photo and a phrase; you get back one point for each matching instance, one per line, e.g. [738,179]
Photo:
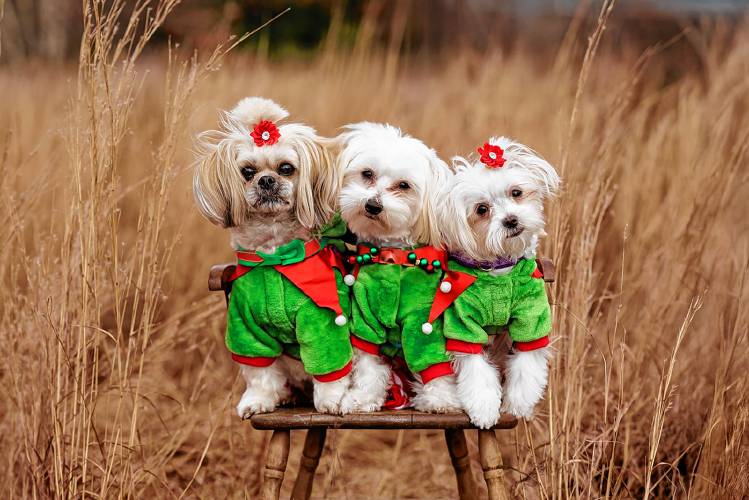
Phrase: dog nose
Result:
[510,222]
[373,206]
[266,182]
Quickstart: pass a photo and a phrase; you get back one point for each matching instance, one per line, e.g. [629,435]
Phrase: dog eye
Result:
[286,169]
[403,185]
[367,174]
[248,173]
[516,193]
[482,209]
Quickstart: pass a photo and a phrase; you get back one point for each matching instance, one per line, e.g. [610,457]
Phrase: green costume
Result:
[516,300]
[391,300]
[291,302]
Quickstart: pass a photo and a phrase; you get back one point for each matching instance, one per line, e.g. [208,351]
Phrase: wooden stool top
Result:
[308,418]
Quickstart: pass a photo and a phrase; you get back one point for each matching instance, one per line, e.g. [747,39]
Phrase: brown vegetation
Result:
[115,380]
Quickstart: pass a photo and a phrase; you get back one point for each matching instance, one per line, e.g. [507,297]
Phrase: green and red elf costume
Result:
[393,293]
[478,296]
[292,301]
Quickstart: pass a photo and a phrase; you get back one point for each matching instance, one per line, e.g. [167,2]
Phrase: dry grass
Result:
[115,381]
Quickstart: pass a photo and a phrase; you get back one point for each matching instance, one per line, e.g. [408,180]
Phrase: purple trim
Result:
[500,263]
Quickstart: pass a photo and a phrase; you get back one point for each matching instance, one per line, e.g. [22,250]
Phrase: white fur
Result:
[266,389]
[370,381]
[327,395]
[484,238]
[527,373]
[262,220]
[439,395]
[479,390]
[408,217]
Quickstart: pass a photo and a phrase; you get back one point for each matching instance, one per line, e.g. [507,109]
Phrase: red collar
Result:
[426,257]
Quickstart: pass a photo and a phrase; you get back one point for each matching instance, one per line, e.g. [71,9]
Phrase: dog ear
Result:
[319,181]
[427,228]
[521,156]
[217,182]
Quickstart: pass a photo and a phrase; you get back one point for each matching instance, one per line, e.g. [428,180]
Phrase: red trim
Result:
[333,376]
[532,345]
[459,281]
[436,371]
[365,346]
[258,361]
[537,274]
[464,347]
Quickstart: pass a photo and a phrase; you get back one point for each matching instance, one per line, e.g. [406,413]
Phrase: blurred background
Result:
[115,380]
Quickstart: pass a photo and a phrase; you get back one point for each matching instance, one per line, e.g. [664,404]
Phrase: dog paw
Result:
[484,417]
[520,408]
[252,403]
[438,396]
[360,402]
[328,395]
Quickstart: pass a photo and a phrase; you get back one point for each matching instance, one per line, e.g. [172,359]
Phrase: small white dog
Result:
[388,199]
[492,219]
[269,184]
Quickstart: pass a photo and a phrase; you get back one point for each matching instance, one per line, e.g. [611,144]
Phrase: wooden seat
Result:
[283,420]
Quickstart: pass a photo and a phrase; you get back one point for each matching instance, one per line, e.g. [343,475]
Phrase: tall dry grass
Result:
[115,381]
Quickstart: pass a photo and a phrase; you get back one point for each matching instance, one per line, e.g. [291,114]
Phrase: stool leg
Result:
[275,464]
[313,446]
[491,462]
[456,445]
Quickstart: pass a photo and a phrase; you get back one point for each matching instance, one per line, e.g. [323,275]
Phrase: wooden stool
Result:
[283,420]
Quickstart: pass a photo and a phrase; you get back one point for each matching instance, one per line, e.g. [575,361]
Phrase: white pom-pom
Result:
[426,328]
[340,320]
[349,279]
[446,286]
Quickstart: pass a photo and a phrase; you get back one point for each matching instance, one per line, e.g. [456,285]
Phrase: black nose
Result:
[510,222]
[266,182]
[373,206]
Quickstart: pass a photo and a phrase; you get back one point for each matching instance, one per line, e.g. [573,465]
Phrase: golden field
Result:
[115,381]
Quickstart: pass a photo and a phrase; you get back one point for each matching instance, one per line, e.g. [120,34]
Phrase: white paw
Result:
[437,396]
[519,407]
[253,402]
[356,401]
[484,411]
[328,395]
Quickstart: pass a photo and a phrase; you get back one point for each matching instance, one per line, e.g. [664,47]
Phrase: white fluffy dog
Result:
[388,199]
[494,214]
[266,197]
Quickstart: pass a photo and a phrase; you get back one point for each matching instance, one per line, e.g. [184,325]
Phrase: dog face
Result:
[498,212]
[242,176]
[390,184]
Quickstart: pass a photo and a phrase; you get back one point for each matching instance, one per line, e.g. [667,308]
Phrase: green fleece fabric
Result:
[515,300]
[269,315]
[390,303]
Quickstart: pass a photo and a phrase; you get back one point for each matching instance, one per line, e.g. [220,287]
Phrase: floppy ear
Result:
[427,228]
[454,228]
[521,156]
[319,183]
[217,182]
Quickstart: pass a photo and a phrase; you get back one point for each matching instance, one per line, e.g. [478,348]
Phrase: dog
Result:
[388,200]
[492,219]
[273,185]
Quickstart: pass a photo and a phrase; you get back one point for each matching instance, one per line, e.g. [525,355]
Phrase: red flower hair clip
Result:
[265,133]
[491,155]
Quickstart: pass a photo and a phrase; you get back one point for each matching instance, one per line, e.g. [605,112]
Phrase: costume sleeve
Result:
[248,343]
[324,346]
[530,315]
[464,322]
[374,303]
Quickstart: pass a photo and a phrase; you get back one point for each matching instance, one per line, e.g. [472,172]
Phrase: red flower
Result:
[265,133]
[491,155]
